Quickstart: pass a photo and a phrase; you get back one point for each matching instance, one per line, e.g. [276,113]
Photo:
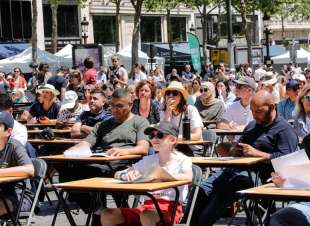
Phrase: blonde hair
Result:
[300,111]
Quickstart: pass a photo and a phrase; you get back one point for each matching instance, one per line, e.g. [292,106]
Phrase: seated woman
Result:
[224,93]
[18,96]
[302,117]
[46,106]
[145,105]
[196,83]
[163,138]
[76,85]
[174,109]
[209,108]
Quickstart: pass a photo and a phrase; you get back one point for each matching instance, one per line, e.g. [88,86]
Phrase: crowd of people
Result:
[113,111]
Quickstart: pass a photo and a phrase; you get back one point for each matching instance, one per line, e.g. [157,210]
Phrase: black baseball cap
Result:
[164,127]
[6,119]
[292,84]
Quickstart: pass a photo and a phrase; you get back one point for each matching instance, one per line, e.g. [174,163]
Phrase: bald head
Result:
[262,98]
[263,107]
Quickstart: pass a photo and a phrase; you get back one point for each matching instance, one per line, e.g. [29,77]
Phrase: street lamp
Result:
[267,32]
[192,28]
[84,26]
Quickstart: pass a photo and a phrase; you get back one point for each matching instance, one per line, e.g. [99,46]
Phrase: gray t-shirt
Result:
[109,133]
[14,154]
[212,112]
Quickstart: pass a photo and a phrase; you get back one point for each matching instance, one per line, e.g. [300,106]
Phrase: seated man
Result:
[163,137]
[123,134]
[88,119]
[14,161]
[269,136]
[239,114]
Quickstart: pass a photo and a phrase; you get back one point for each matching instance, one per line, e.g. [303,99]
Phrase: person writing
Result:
[163,138]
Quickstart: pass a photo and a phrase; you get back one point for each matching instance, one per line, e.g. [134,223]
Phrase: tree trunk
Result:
[117,24]
[172,62]
[282,28]
[204,34]
[54,28]
[219,22]
[34,38]
[247,31]
[136,32]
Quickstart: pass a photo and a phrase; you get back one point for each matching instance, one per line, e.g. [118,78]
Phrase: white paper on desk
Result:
[147,164]
[80,151]
[297,176]
[280,164]
[101,154]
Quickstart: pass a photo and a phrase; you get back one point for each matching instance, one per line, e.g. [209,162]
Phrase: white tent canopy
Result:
[303,56]
[23,60]
[66,53]
[125,59]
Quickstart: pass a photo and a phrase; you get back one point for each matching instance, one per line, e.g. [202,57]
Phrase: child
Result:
[163,137]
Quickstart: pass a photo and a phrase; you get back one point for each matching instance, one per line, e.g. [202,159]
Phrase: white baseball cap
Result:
[69,100]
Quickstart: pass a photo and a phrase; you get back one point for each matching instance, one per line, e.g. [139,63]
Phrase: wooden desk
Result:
[194,142]
[99,184]
[217,162]
[5,180]
[62,158]
[269,192]
[50,124]
[58,131]
[57,141]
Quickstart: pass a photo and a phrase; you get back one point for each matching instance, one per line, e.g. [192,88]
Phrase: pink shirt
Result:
[90,76]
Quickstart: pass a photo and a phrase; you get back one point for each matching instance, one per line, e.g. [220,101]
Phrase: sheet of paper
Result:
[280,164]
[298,176]
[101,154]
[81,151]
[147,164]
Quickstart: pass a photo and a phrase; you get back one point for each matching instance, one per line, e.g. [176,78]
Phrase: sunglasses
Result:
[16,71]
[172,93]
[307,98]
[157,135]
[204,90]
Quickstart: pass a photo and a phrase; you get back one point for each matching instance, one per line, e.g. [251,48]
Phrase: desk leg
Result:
[161,215]
[247,212]
[66,208]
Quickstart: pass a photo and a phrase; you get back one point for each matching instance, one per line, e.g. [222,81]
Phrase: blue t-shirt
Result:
[90,119]
[285,108]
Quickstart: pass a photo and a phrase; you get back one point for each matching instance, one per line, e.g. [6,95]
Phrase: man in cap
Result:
[239,114]
[88,119]
[163,137]
[14,161]
[286,107]
[70,108]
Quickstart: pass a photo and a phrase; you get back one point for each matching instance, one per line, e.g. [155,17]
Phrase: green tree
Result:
[137,5]
[117,22]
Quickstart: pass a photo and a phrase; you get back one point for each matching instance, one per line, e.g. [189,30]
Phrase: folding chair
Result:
[40,168]
[192,196]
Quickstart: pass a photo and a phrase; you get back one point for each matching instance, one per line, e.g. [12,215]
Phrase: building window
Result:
[178,29]
[67,17]
[15,20]
[104,29]
[150,29]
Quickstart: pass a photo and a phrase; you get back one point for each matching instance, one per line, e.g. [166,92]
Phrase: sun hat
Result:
[174,85]
[299,77]
[69,100]
[49,88]
[269,78]
[164,127]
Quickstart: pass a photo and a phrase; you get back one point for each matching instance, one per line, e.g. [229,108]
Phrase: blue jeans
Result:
[296,213]
[218,193]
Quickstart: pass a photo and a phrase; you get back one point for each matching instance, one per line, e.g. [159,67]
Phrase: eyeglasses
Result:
[204,90]
[16,71]
[307,98]
[157,135]
[172,93]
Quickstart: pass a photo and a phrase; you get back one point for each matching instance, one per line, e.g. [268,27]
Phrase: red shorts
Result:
[132,215]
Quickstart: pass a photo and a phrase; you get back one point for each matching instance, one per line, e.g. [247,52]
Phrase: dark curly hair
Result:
[150,84]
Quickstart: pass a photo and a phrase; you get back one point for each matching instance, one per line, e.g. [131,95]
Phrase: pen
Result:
[269,180]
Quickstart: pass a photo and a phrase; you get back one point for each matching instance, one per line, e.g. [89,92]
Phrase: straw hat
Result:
[49,88]
[174,85]
[269,79]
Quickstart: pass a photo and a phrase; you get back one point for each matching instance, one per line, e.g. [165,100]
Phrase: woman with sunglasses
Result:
[196,83]
[302,118]
[174,107]
[19,80]
[209,108]
[224,93]
[146,105]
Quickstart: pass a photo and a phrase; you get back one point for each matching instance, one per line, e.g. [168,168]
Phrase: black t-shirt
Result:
[36,110]
[14,154]
[277,139]
[58,82]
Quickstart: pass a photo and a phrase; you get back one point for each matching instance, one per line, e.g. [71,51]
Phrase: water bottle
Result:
[186,126]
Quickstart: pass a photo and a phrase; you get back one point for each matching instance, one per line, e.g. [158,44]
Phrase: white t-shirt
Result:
[19,133]
[239,114]
[139,77]
[179,163]
[193,114]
